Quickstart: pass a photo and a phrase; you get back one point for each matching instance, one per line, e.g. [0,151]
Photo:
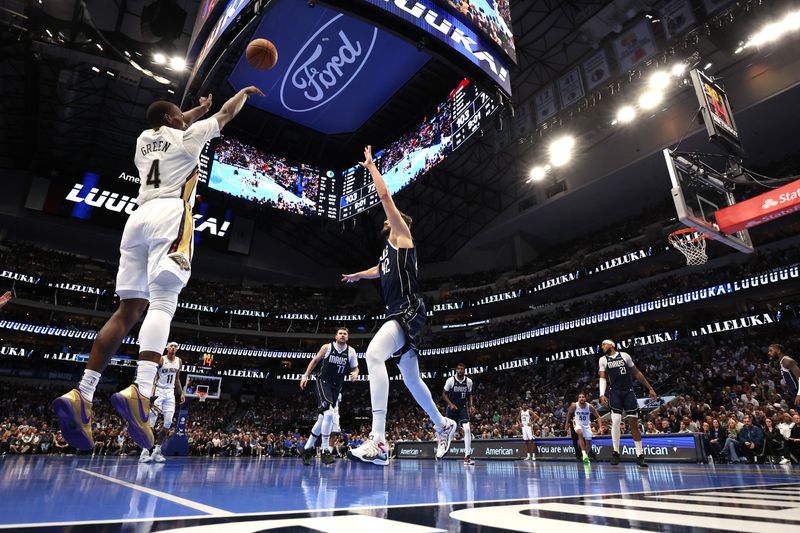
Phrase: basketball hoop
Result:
[690,243]
[202,396]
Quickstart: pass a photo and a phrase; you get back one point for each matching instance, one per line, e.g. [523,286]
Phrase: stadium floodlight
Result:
[659,80]
[537,174]
[177,63]
[159,58]
[161,79]
[560,150]
[626,114]
[775,31]
[678,69]
[650,99]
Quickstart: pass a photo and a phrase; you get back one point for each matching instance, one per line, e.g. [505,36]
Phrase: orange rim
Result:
[674,236]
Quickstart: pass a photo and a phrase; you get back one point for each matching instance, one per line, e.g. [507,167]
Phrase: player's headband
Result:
[609,341]
[173,343]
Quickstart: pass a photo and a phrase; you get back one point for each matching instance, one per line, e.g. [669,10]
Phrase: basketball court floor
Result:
[220,495]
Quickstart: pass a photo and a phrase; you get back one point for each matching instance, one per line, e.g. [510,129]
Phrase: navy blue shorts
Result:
[327,395]
[460,415]
[623,402]
[412,319]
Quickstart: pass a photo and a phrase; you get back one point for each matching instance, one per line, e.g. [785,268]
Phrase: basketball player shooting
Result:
[616,369]
[155,263]
[405,318]
[336,359]
[169,380]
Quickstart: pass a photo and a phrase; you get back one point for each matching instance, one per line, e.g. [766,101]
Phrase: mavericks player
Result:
[336,360]
[169,379]
[580,413]
[790,371]
[154,265]
[397,270]
[616,369]
[457,394]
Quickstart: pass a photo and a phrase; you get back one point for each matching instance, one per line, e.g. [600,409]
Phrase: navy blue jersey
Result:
[398,269]
[458,391]
[618,370]
[790,379]
[336,365]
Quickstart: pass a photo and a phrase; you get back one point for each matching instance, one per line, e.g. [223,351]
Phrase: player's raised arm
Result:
[235,104]
[370,273]
[314,362]
[399,227]
[195,113]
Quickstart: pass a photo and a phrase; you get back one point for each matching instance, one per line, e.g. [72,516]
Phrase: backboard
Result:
[699,191]
[195,381]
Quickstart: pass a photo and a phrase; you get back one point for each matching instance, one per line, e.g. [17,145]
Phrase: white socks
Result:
[88,384]
[146,377]
[616,419]
[639,450]
[327,425]
[315,431]
[467,439]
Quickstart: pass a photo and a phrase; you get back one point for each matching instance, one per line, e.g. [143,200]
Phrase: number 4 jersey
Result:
[167,160]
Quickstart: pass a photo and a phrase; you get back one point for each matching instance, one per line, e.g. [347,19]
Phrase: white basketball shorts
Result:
[166,404]
[158,238]
[527,433]
[587,430]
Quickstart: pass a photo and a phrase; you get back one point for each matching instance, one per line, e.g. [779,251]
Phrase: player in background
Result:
[154,265]
[168,381]
[457,395]
[526,421]
[790,371]
[616,369]
[405,318]
[335,359]
[580,415]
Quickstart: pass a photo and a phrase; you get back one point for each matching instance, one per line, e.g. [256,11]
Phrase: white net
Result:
[690,243]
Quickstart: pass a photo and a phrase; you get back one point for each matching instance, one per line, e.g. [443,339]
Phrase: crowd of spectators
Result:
[496,23]
[725,388]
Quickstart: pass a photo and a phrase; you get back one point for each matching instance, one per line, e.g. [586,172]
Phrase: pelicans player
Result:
[169,379]
[525,416]
[580,413]
[155,263]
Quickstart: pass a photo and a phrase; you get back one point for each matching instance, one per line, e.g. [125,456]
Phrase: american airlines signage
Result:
[445,27]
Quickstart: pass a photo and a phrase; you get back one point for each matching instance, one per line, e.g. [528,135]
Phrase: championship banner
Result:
[570,87]
[677,17]
[634,46]
[545,102]
[596,70]
[677,447]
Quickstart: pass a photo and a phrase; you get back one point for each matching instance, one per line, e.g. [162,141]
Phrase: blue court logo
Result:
[326,64]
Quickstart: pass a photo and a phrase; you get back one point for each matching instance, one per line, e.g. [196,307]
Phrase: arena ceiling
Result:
[59,116]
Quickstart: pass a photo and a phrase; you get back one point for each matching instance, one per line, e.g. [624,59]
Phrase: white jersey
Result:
[582,416]
[167,375]
[525,417]
[167,160]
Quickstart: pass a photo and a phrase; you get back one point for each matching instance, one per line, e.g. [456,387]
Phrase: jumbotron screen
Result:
[418,151]
[492,17]
[244,171]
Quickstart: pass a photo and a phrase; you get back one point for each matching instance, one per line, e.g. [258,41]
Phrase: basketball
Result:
[262,54]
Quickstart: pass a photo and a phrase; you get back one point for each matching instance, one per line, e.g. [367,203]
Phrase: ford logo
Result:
[326,64]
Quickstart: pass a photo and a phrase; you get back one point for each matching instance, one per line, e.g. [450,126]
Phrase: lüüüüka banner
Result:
[680,447]
[759,280]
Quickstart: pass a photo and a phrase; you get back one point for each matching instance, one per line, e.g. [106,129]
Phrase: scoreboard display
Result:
[469,106]
[417,152]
